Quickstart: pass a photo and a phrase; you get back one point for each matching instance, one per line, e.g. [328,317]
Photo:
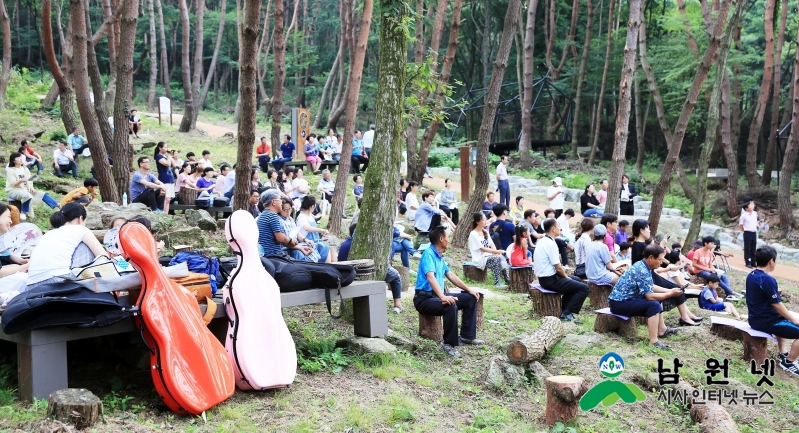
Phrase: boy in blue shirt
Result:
[709,298]
[767,313]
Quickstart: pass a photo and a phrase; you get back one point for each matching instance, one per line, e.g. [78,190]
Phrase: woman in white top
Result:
[484,252]
[300,186]
[411,202]
[308,229]
[71,244]
[583,239]
[19,185]
[12,263]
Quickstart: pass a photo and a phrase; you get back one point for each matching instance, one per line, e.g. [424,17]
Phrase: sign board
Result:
[300,129]
[164,107]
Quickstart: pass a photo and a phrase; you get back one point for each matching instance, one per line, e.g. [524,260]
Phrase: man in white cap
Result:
[555,195]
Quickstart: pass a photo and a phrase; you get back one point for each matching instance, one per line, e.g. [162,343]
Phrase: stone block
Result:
[368,345]
[643,204]
[641,212]
[200,218]
[675,212]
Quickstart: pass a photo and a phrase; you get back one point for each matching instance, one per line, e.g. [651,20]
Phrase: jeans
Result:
[593,212]
[427,303]
[573,290]
[279,162]
[337,157]
[368,151]
[394,281]
[66,168]
[49,201]
[405,248]
[724,282]
[750,245]
[504,192]
[357,160]
[38,164]
[263,162]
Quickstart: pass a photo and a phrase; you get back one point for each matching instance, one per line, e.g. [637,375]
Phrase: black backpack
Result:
[323,275]
[62,304]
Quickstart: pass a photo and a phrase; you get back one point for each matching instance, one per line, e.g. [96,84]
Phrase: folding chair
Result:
[719,259]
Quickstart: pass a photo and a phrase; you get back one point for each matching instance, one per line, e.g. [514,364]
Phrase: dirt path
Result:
[215,131]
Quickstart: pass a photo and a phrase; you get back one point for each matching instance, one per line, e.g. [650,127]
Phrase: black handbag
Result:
[579,271]
[203,202]
[221,202]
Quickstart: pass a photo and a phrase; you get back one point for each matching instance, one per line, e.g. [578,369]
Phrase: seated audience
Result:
[32,157]
[598,261]
[566,230]
[134,123]
[337,144]
[64,161]
[357,189]
[583,239]
[206,182]
[488,205]
[533,222]
[287,149]
[403,243]
[624,252]
[610,221]
[309,231]
[502,228]
[263,152]
[77,142]
[220,185]
[621,232]
[449,202]
[767,312]
[272,238]
[9,263]
[145,188]
[253,203]
[675,270]
[19,186]
[635,294]
[517,210]
[432,300]
[411,202]
[327,186]
[428,216]
[255,181]
[299,188]
[520,255]
[551,275]
[112,235]
[83,195]
[69,245]
[483,251]
[312,153]
[703,267]
[401,208]
[206,159]
[602,194]
[709,298]
[359,155]
[589,203]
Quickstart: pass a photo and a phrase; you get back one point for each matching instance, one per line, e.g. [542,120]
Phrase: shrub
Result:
[58,136]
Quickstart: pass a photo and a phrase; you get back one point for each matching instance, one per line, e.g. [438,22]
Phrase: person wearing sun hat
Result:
[556,196]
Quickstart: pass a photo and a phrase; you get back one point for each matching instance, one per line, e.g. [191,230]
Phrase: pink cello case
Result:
[258,342]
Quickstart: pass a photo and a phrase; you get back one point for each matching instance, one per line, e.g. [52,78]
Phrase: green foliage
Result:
[115,402]
[559,427]
[321,355]
[24,88]
[58,136]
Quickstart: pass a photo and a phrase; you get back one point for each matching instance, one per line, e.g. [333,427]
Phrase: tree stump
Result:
[478,310]
[536,345]
[75,406]
[473,273]
[598,295]
[711,417]
[403,272]
[755,348]
[605,323]
[726,332]
[520,279]
[545,303]
[430,327]
[563,398]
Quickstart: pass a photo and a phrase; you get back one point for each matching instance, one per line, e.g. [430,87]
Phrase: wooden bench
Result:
[330,165]
[521,277]
[545,302]
[304,165]
[609,322]
[598,295]
[473,273]
[755,342]
[431,327]
[42,353]
[211,210]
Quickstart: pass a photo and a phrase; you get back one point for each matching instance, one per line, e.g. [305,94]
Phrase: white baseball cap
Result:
[557,181]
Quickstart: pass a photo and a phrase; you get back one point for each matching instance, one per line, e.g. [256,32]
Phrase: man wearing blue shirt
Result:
[287,151]
[271,236]
[77,142]
[635,295]
[502,227]
[431,299]
[146,188]
[767,313]
[428,216]
[358,154]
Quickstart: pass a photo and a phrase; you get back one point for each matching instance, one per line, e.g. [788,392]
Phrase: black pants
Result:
[558,213]
[434,222]
[663,282]
[263,163]
[750,245]
[60,170]
[564,253]
[357,160]
[627,208]
[151,198]
[451,213]
[428,303]
[573,290]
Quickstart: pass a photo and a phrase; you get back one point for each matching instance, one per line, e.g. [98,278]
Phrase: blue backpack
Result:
[200,264]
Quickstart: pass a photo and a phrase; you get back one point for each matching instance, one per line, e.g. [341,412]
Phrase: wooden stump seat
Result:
[545,302]
[479,312]
[563,398]
[598,295]
[755,343]
[431,327]
[609,322]
[403,272]
[520,278]
[473,273]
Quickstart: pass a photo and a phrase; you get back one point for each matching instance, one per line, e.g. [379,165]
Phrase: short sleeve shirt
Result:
[596,258]
[164,173]
[136,187]
[506,231]
[762,293]
[502,171]
[545,257]
[749,221]
[633,284]
[557,202]
[268,224]
[431,261]
[704,257]
[287,149]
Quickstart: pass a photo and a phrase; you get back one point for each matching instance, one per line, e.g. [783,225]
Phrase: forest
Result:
[692,84]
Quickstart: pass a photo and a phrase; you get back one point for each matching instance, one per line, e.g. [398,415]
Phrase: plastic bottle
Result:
[124,199]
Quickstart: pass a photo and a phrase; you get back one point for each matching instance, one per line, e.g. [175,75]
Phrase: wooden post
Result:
[473,273]
[403,272]
[755,348]
[609,323]
[534,346]
[78,407]
[726,332]
[520,279]
[465,189]
[430,327]
[599,295]
[546,304]
[563,398]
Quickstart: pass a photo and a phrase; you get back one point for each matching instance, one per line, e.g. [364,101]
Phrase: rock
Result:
[573,195]
[38,134]
[400,341]
[671,227]
[63,189]
[641,212]
[686,223]
[583,341]
[193,236]
[541,374]
[777,247]
[148,144]
[100,216]
[220,224]
[368,345]
[643,205]
[502,374]
[229,135]
[675,212]
[647,381]
[709,230]
[725,237]
[637,198]
[200,218]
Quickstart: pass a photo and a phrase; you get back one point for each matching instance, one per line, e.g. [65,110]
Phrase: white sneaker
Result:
[398,310]
[417,255]
[411,271]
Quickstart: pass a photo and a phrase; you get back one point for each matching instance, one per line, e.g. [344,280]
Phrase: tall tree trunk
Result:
[82,91]
[165,78]
[411,137]
[768,164]
[197,72]
[353,90]
[623,113]
[185,65]
[762,99]
[688,33]
[373,237]
[487,124]
[339,102]
[678,135]
[279,49]
[153,58]
[248,57]
[113,40]
[121,150]
[97,88]
[552,123]
[640,122]
[598,121]
[581,78]
[6,74]
[528,69]
[728,150]
[215,58]
[65,92]
[328,83]
[785,207]
[713,122]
